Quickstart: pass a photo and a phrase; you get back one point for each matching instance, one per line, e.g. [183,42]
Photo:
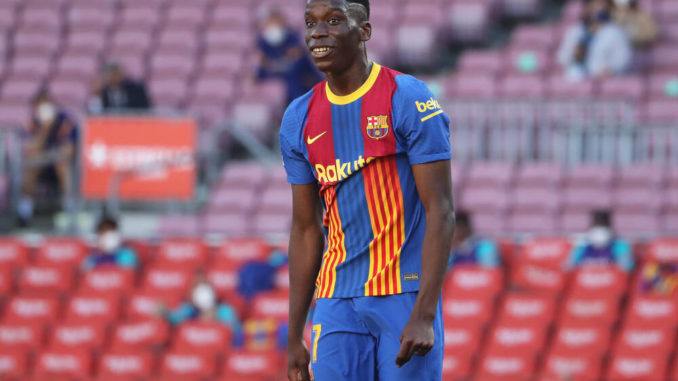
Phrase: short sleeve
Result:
[422,126]
[298,169]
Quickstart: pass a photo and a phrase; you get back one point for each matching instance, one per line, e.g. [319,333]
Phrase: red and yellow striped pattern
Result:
[336,250]
[385,204]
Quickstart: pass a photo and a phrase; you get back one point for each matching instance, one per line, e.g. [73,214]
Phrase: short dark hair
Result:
[601,217]
[364,3]
[463,218]
[107,223]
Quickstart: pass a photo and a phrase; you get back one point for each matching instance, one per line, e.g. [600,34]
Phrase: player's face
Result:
[332,35]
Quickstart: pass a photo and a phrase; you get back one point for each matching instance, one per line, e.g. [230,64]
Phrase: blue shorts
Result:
[358,339]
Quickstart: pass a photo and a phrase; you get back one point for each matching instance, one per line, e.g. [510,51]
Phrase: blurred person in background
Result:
[468,248]
[597,46]
[117,92]
[282,55]
[110,250]
[49,152]
[202,304]
[602,246]
[659,278]
[636,22]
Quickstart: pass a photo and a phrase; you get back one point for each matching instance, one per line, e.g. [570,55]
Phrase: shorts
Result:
[358,339]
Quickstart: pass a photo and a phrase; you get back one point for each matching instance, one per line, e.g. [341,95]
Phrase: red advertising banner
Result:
[138,158]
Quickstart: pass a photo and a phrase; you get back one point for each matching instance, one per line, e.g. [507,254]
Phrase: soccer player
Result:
[367,153]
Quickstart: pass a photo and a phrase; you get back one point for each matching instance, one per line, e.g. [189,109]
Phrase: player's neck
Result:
[351,79]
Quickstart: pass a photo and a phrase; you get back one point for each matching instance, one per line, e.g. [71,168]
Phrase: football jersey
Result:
[360,148]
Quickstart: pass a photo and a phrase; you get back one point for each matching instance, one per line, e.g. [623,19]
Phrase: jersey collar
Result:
[354,96]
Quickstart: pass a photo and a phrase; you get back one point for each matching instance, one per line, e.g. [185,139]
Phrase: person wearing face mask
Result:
[636,22]
[282,56]
[469,249]
[110,250]
[601,246]
[50,146]
[597,46]
[202,304]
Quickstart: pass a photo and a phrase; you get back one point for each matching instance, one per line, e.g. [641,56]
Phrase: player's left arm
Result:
[434,186]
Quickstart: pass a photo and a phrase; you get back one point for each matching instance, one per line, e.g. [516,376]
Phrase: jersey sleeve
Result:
[421,125]
[298,169]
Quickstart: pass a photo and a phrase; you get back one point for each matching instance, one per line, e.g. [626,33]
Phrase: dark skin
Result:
[344,29]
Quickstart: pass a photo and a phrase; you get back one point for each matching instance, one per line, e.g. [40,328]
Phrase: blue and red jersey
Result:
[360,148]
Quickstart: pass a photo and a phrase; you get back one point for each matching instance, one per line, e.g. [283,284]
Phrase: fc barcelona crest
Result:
[377,126]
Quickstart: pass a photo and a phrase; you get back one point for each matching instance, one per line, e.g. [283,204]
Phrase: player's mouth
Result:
[321,51]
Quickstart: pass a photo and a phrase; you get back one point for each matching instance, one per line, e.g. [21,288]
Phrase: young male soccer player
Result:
[367,153]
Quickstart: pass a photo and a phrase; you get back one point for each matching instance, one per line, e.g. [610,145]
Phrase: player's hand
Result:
[298,359]
[417,339]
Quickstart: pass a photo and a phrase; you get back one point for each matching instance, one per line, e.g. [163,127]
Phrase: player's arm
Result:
[305,253]
[434,185]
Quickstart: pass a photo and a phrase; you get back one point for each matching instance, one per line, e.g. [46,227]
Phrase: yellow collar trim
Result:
[354,96]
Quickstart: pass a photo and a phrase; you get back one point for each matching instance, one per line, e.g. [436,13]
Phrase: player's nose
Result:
[320,30]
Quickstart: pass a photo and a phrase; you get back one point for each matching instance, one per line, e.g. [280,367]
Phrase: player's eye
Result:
[309,24]
[334,21]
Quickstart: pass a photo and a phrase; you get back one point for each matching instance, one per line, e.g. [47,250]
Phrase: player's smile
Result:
[321,52]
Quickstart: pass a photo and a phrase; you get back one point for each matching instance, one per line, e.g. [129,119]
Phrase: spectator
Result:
[638,24]
[203,304]
[601,246]
[119,93]
[659,278]
[469,248]
[49,152]
[110,250]
[597,47]
[282,55]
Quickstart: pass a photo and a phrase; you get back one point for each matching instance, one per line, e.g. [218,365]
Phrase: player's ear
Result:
[365,31]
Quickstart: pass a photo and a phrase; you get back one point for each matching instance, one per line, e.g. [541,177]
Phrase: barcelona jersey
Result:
[360,148]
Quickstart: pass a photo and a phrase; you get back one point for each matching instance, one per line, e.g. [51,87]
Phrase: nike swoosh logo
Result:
[310,140]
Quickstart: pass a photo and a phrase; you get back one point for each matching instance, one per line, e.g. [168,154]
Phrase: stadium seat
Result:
[63,365]
[505,367]
[88,336]
[45,280]
[562,88]
[645,340]
[124,365]
[228,224]
[187,366]
[468,21]
[456,366]
[187,254]
[637,367]
[630,88]
[202,337]
[537,280]
[571,366]
[63,252]
[251,366]
[493,174]
[516,338]
[13,363]
[83,309]
[163,282]
[663,250]
[106,282]
[583,339]
[652,311]
[522,86]
[466,311]
[472,87]
[583,310]
[599,281]
[243,250]
[275,223]
[527,309]
[31,310]
[462,338]
[232,200]
[472,281]
[551,253]
[271,304]
[138,335]
[145,304]
[13,253]
[485,199]
[21,336]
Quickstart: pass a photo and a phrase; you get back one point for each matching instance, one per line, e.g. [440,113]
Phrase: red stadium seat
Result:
[102,309]
[571,366]
[187,366]
[13,363]
[467,311]
[13,253]
[538,279]
[63,365]
[505,367]
[63,252]
[472,281]
[45,280]
[637,366]
[6,281]
[71,336]
[124,366]
[146,304]
[139,335]
[251,366]
[578,310]
[21,336]
[282,278]
[652,311]
[664,250]
[31,310]
[182,254]
[548,252]
[164,282]
[457,366]
[524,339]
[243,250]
[203,337]
[645,340]
[223,277]
[272,304]
[525,309]
[581,339]
[462,339]
[599,281]
[107,282]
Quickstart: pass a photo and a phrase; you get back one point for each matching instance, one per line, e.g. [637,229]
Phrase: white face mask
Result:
[622,3]
[274,35]
[599,236]
[46,112]
[204,297]
[109,241]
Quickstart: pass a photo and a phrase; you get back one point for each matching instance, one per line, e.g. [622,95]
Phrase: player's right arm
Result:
[305,253]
